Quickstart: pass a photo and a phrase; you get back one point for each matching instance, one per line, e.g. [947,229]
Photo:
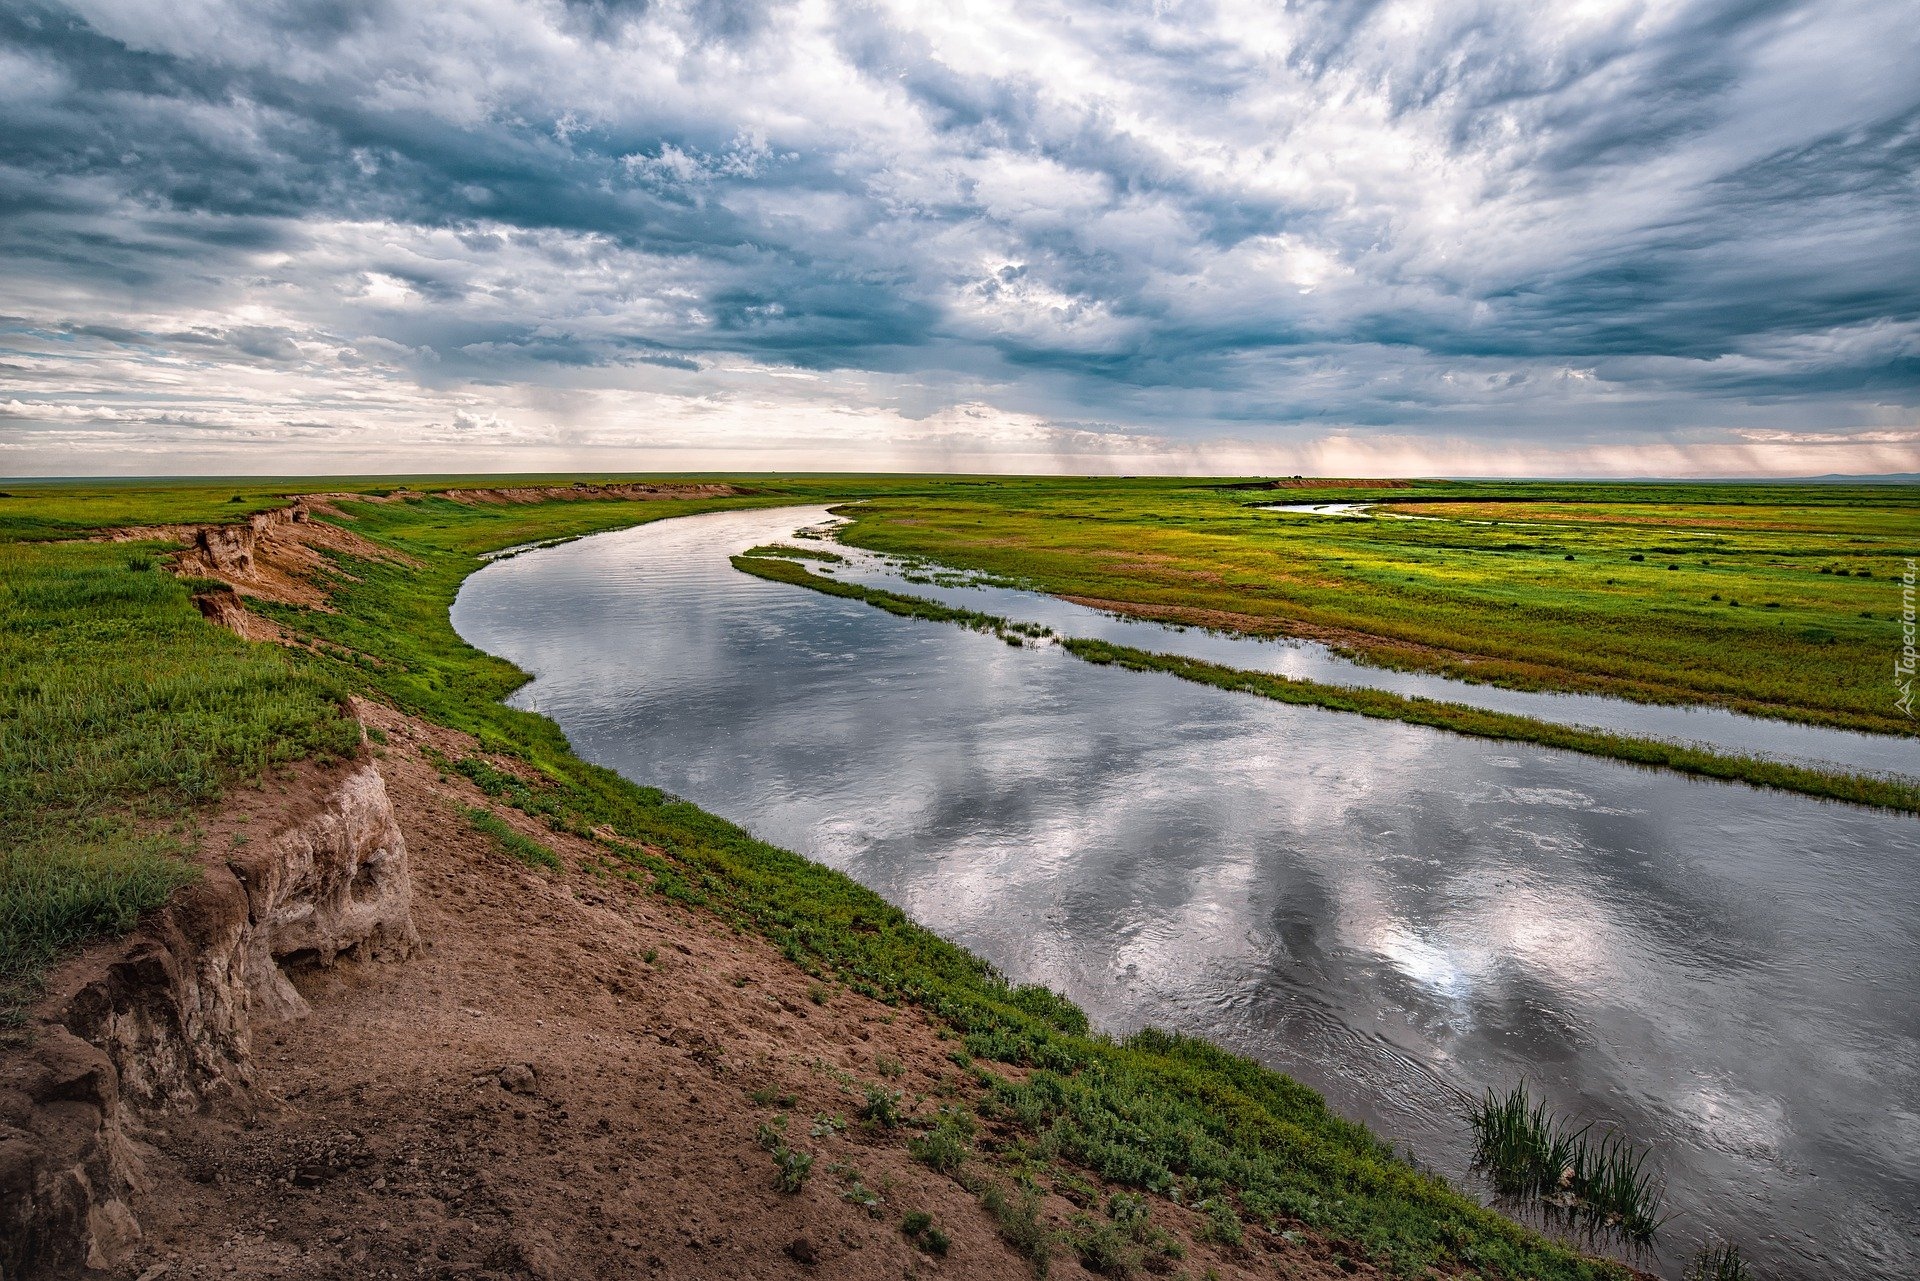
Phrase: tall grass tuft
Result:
[526,850]
[1718,1261]
[1018,1221]
[1601,1179]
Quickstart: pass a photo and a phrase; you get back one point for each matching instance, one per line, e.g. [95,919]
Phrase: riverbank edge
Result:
[1458,718]
[155,1104]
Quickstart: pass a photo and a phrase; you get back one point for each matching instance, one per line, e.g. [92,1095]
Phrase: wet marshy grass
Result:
[1596,1178]
[1624,590]
[795,553]
[1719,1261]
[1461,718]
[762,563]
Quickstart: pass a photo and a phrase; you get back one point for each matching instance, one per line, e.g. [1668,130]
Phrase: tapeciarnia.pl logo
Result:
[1903,666]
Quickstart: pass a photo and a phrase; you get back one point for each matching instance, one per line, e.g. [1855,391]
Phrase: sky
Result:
[1581,238]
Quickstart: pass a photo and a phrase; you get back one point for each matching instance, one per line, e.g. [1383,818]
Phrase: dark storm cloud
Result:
[1358,213]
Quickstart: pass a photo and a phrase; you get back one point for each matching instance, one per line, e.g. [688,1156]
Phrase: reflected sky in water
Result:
[1395,915]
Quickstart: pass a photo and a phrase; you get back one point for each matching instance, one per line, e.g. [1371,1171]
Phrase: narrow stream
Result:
[1397,916]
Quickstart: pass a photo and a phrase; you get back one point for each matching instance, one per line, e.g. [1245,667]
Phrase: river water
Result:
[1397,916]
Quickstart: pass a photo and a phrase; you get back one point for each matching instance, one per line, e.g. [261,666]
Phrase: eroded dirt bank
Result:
[162,1021]
[567,1077]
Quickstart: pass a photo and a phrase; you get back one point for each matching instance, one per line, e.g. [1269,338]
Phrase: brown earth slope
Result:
[568,1079]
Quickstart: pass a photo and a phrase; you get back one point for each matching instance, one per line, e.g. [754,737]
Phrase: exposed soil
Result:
[279,554]
[568,1081]
[637,491]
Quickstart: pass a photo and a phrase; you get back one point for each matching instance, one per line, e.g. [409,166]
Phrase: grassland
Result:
[1772,600]
[1160,1113]
[44,510]
[121,710]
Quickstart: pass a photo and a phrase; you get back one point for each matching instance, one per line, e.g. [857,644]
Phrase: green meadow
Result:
[1777,600]
[121,712]
[123,715]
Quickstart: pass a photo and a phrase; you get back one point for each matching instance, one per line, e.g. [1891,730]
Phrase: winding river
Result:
[1397,916]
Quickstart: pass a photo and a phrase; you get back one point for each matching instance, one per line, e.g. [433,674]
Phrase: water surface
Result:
[1398,916]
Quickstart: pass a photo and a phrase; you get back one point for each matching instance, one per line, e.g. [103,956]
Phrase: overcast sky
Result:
[1342,238]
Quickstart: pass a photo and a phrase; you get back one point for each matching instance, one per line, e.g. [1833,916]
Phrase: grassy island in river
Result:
[1779,600]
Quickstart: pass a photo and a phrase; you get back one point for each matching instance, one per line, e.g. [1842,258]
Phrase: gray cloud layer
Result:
[1599,236]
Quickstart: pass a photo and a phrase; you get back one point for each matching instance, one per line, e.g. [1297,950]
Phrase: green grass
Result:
[1534,586]
[780,570]
[1600,1179]
[54,895]
[1459,718]
[947,1143]
[121,711]
[44,510]
[1017,1219]
[524,849]
[796,553]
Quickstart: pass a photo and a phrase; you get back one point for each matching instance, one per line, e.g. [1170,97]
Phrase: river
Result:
[1397,916]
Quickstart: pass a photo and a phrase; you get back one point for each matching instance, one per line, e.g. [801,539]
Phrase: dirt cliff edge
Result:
[164,1018]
